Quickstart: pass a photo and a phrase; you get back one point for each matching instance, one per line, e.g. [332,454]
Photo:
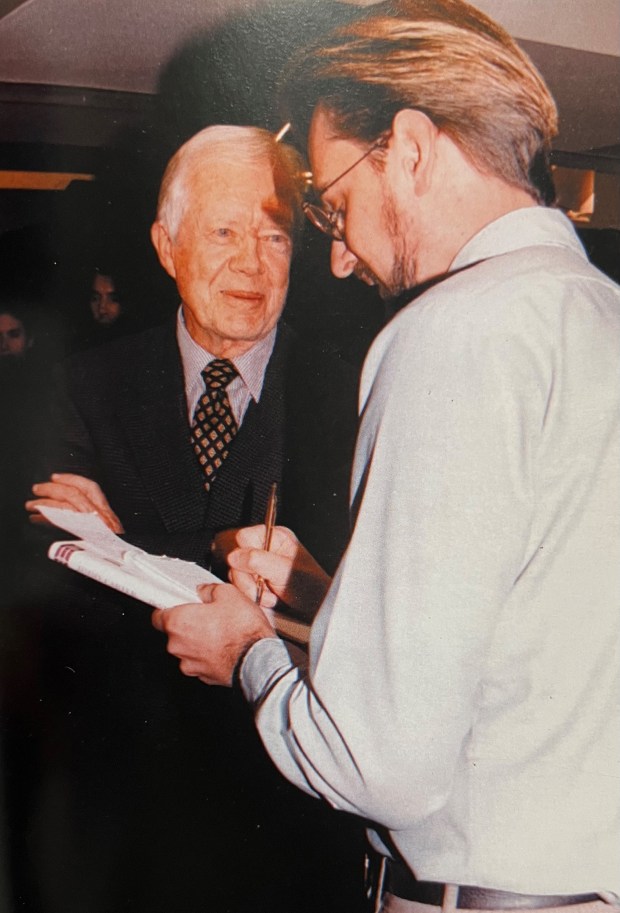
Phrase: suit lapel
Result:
[154,419]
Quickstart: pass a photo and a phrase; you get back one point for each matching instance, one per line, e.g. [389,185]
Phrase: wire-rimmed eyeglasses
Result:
[332,222]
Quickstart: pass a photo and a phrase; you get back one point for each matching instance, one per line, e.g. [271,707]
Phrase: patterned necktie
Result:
[214,425]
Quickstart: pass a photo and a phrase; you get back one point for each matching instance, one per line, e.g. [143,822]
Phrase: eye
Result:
[222,233]
[276,239]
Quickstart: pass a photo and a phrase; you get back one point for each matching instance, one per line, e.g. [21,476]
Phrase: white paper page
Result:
[185,575]
[91,563]
[90,528]
[172,574]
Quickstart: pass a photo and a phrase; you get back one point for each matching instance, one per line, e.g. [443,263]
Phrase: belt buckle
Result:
[374,879]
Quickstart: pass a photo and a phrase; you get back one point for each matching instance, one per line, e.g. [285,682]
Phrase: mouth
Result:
[243,295]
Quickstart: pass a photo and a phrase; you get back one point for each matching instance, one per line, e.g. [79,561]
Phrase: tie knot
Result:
[219,373]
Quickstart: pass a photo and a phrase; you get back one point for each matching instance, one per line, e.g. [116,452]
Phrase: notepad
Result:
[157,580]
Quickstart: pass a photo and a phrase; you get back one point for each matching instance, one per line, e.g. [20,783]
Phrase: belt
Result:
[400,882]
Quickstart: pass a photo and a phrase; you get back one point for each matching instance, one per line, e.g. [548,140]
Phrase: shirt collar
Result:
[528,227]
[251,365]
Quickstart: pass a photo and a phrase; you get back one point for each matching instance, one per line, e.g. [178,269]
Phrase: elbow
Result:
[397,798]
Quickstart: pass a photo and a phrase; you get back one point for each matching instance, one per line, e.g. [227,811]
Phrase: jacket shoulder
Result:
[144,358]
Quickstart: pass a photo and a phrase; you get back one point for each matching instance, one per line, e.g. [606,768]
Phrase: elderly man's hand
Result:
[209,638]
[68,491]
[288,569]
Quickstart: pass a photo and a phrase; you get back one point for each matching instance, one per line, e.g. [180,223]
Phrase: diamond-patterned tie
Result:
[214,425]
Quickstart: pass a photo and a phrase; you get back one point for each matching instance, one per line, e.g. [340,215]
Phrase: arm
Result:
[398,649]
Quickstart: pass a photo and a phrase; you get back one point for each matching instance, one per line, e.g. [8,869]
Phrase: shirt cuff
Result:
[265,663]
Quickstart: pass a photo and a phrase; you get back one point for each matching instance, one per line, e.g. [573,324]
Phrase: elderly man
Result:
[227,217]
[188,814]
[462,690]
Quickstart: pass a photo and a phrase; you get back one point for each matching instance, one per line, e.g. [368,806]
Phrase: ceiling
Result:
[117,50]
[109,88]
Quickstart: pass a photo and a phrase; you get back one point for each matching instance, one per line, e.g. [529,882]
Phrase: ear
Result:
[414,137]
[162,242]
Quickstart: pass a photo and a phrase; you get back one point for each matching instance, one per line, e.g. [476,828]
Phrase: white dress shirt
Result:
[464,681]
[251,367]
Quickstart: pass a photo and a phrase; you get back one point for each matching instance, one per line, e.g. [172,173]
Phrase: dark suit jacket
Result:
[123,422]
[165,799]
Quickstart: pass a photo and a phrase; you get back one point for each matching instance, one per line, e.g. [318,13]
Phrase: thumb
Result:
[206,591]
[157,619]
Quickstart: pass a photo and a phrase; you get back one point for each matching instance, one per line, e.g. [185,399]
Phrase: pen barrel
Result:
[270,519]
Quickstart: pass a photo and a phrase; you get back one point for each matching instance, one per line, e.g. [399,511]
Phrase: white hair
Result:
[232,145]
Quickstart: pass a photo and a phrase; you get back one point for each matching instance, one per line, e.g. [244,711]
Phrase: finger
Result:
[34,504]
[189,667]
[92,491]
[66,497]
[71,496]
[274,568]
[251,536]
[158,619]
[87,486]
[111,521]
[38,520]
[207,592]
[246,584]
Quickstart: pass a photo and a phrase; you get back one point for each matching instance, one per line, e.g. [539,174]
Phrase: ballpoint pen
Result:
[270,519]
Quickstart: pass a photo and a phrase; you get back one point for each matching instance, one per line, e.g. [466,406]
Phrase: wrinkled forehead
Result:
[236,188]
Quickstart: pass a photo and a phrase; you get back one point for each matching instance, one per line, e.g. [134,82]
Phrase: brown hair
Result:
[442,57]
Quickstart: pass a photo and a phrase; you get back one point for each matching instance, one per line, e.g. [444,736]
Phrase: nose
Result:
[247,257]
[342,260]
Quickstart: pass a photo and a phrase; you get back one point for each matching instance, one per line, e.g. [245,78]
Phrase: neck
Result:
[464,202]
[219,346]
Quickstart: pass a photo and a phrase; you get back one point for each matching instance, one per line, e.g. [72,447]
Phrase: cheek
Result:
[200,269]
[279,274]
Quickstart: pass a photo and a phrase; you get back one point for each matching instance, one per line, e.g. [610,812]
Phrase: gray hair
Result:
[232,145]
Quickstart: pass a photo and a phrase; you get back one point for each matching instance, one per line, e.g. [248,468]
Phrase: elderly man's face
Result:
[230,257]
